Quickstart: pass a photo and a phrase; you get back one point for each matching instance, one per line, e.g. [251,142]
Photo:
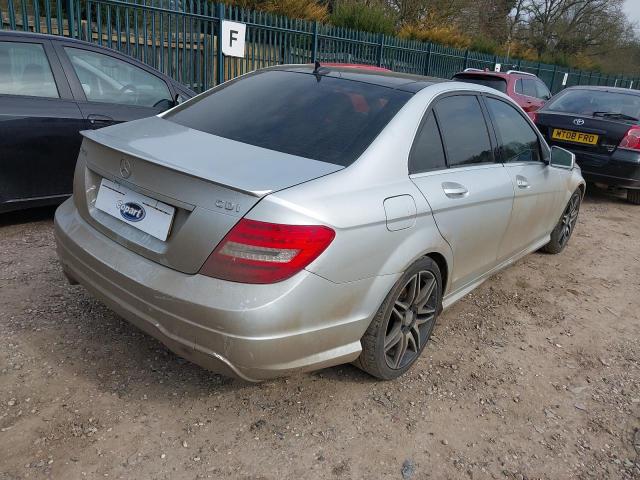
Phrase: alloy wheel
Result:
[569,218]
[411,320]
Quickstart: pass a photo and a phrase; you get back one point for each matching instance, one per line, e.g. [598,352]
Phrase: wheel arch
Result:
[441,261]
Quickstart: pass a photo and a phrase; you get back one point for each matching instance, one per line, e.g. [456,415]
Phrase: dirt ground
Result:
[534,375]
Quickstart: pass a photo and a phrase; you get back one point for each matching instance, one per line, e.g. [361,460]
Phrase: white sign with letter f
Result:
[233,38]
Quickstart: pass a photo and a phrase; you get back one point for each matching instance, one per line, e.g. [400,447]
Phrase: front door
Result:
[536,185]
[39,138]
[109,88]
[470,195]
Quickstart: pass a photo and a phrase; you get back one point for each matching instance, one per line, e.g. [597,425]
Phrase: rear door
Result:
[536,185]
[110,88]
[453,164]
[39,138]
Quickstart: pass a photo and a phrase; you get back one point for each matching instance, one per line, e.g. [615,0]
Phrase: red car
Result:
[526,89]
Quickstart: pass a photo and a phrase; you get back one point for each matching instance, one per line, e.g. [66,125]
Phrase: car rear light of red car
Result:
[631,140]
[260,252]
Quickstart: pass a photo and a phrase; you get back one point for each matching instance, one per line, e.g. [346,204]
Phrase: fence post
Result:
[314,52]
[466,59]
[12,16]
[538,69]
[220,56]
[427,65]
[70,18]
[381,49]
[553,78]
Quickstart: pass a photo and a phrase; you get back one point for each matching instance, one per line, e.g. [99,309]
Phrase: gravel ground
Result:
[534,375]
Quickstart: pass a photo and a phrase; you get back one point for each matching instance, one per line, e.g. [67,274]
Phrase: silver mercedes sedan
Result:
[301,216]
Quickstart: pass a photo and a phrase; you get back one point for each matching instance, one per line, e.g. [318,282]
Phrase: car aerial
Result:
[526,89]
[297,218]
[52,87]
[601,125]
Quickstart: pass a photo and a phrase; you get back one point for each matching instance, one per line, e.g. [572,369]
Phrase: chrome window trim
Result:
[465,168]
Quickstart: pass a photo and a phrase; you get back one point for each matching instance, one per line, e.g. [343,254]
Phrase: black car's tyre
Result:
[564,229]
[633,196]
[403,324]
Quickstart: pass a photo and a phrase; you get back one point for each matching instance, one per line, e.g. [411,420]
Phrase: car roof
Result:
[503,75]
[384,78]
[45,36]
[360,66]
[603,89]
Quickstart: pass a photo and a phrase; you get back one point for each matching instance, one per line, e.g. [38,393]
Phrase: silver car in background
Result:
[301,217]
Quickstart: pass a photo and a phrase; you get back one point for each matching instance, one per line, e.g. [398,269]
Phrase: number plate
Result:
[139,211]
[576,137]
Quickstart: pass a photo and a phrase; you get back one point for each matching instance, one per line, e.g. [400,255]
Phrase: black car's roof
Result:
[396,80]
[46,36]
[603,89]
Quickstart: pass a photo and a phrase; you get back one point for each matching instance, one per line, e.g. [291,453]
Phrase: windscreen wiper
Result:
[621,116]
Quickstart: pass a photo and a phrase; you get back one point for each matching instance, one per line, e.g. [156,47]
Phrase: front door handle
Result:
[454,190]
[522,182]
[97,121]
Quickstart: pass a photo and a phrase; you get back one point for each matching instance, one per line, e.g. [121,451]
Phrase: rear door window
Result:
[464,130]
[518,141]
[25,70]
[319,117]
[427,153]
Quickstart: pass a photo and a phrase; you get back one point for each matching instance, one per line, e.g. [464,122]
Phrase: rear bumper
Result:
[620,169]
[254,332]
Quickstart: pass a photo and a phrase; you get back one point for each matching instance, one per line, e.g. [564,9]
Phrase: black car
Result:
[601,125]
[50,89]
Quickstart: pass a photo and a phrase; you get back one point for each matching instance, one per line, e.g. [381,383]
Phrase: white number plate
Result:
[144,213]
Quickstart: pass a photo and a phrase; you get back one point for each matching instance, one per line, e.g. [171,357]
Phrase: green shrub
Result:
[358,16]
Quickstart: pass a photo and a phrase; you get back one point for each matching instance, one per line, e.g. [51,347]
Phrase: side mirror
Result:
[179,99]
[561,158]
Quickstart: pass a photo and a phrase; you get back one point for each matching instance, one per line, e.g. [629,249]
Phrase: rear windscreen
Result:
[324,118]
[587,102]
[493,82]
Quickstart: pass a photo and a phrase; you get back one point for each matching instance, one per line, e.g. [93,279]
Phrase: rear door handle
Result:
[454,190]
[522,182]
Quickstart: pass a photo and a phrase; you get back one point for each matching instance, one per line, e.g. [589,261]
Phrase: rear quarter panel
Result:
[352,202]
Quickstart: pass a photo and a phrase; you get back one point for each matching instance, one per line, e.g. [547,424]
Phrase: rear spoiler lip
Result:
[100,137]
[111,141]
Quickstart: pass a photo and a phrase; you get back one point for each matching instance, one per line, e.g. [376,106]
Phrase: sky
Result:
[632,9]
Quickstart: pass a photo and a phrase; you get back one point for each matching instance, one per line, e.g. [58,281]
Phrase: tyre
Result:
[633,196]
[564,229]
[404,322]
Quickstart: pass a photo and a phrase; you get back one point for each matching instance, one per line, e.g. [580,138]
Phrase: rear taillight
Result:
[259,252]
[631,140]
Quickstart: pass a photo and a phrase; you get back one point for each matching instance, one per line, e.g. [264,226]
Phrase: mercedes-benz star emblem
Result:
[578,121]
[125,168]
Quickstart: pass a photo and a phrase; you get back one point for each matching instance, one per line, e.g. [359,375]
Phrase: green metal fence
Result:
[180,38]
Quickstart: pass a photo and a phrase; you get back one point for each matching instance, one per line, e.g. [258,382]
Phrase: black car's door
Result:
[112,88]
[39,124]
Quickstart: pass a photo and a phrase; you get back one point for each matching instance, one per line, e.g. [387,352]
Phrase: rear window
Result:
[496,83]
[586,102]
[323,118]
